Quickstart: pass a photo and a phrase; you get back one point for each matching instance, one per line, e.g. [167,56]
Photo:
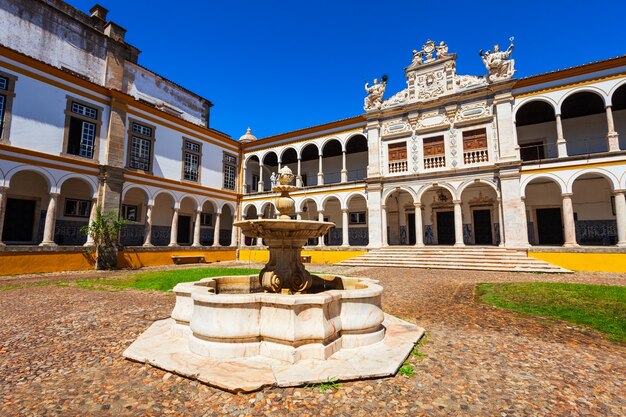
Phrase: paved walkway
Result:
[61,346]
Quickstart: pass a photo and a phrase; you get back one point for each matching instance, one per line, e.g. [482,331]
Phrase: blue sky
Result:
[278,66]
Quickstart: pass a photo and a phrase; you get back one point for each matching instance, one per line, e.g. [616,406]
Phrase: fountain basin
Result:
[229,318]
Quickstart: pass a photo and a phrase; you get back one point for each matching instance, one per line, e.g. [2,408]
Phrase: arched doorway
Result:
[481,214]
[400,217]
[358,231]
[544,212]
[438,216]
[594,210]
[584,123]
[356,158]
[25,210]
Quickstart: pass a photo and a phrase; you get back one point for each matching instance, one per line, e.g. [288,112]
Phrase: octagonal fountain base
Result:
[225,332]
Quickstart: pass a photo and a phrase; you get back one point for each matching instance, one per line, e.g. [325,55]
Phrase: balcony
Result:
[396,167]
[475,156]
[435,161]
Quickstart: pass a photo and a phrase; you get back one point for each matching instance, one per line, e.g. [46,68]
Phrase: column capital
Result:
[199,210]
[320,211]
[383,206]
[344,210]
[619,191]
[176,209]
[608,106]
[55,195]
[3,189]
[457,202]
[566,195]
[418,205]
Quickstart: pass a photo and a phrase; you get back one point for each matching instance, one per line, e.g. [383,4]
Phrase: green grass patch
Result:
[600,307]
[161,280]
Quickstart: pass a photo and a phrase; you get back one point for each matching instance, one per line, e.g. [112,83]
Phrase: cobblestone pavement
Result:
[61,355]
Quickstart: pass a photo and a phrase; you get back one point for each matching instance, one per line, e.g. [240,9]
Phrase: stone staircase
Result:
[483,258]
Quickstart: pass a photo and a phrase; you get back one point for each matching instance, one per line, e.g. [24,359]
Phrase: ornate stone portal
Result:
[283,327]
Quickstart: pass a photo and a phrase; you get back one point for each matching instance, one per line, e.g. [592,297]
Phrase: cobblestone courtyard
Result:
[61,354]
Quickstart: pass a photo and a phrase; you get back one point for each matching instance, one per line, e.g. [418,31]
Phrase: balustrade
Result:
[435,161]
[475,156]
[398,166]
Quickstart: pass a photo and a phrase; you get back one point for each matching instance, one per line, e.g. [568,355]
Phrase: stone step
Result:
[472,258]
[462,267]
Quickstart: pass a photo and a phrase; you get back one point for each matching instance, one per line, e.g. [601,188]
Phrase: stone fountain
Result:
[284,327]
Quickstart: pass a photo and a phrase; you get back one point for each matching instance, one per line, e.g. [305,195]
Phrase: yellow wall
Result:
[317,256]
[13,263]
[600,262]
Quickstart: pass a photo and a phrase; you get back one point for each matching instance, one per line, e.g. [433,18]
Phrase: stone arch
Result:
[351,196]
[329,197]
[326,141]
[130,186]
[585,89]
[522,103]
[469,183]
[171,195]
[424,188]
[47,175]
[249,157]
[230,205]
[92,187]
[389,191]
[281,156]
[612,179]
[308,145]
[211,201]
[558,180]
[613,89]
[191,198]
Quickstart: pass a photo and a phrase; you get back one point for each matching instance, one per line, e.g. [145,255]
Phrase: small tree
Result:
[104,230]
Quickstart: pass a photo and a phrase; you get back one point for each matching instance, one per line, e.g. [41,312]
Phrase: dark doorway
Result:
[482,227]
[19,219]
[445,227]
[549,226]
[184,230]
[411,226]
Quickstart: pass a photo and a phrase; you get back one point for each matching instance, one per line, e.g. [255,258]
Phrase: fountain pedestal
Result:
[283,327]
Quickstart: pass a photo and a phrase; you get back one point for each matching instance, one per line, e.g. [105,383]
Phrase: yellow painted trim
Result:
[595,262]
[569,85]
[217,194]
[328,135]
[578,166]
[317,256]
[15,263]
[305,194]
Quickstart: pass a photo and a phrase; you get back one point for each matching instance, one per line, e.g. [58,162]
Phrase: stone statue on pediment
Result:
[498,62]
[374,99]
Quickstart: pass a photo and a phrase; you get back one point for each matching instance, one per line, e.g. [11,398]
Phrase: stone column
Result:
[620,216]
[92,217]
[242,237]
[244,185]
[500,225]
[51,216]
[3,204]
[383,213]
[299,176]
[320,172]
[503,103]
[345,236]
[259,240]
[216,230]
[320,217]
[561,144]
[196,229]
[611,136]
[373,151]
[280,165]
[174,229]
[568,221]
[233,236]
[298,215]
[344,170]
[419,232]
[515,227]
[374,203]
[458,223]
[260,184]
[147,231]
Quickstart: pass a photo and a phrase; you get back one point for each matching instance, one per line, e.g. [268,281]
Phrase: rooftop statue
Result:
[375,93]
[498,64]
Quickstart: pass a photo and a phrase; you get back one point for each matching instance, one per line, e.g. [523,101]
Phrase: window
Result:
[397,157]
[140,146]
[76,208]
[82,124]
[7,84]
[192,154]
[206,219]
[129,212]
[475,146]
[357,217]
[230,171]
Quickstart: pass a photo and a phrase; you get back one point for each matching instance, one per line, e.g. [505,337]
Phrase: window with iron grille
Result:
[191,160]
[140,146]
[230,171]
[130,212]
[82,129]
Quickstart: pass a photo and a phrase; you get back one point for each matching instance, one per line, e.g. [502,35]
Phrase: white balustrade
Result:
[475,156]
[398,166]
[437,161]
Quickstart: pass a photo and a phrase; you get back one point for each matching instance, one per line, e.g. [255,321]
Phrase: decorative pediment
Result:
[394,127]
[473,111]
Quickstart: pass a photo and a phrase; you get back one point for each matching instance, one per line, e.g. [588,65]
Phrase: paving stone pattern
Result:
[61,355]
